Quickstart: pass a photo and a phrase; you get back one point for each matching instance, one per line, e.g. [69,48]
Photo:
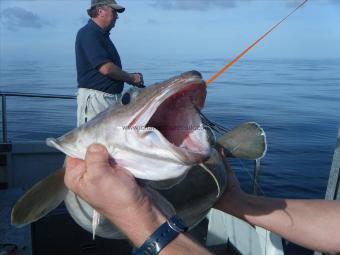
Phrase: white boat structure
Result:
[24,163]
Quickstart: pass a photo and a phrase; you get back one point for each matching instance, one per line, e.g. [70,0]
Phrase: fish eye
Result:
[130,95]
[126,98]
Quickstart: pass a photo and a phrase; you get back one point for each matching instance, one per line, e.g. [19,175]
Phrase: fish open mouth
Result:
[175,117]
[159,135]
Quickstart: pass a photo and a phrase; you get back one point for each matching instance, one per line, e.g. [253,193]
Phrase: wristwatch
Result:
[162,236]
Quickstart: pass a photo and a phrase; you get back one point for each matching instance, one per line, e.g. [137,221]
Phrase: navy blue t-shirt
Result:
[94,48]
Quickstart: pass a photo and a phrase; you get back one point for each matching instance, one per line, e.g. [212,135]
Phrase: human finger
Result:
[225,162]
[141,78]
[136,78]
[72,162]
[74,171]
[97,160]
[224,159]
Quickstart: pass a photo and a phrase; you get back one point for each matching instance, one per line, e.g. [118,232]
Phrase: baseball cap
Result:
[111,3]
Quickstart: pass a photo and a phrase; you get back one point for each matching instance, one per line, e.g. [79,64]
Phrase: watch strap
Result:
[167,232]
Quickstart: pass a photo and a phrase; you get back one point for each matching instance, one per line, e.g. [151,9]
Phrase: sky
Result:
[38,29]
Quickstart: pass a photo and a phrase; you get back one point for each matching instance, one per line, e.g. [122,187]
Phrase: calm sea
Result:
[297,102]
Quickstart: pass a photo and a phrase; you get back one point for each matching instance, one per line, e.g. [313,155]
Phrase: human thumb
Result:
[96,159]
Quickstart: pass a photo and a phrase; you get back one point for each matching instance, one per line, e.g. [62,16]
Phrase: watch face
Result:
[177,224]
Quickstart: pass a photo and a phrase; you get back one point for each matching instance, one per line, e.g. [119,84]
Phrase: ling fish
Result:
[158,135]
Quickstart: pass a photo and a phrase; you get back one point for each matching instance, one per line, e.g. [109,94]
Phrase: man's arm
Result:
[139,227]
[314,224]
[97,55]
[114,72]
[114,192]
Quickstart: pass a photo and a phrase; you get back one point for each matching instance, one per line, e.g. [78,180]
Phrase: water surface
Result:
[297,102]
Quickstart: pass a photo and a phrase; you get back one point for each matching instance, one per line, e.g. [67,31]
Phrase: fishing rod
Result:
[251,46]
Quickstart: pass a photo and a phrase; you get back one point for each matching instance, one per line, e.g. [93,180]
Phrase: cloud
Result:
[199,5]
[17,17]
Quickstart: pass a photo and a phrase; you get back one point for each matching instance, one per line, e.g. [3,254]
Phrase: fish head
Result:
[157,134]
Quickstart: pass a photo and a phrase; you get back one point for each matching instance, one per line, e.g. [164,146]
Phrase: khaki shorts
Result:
[90,102]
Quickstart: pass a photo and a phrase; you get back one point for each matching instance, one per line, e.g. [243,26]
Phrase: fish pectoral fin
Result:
[39,200]
[247,141]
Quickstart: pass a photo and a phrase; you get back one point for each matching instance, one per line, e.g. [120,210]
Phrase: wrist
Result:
[131,79]
[139,223]
[164,235]
[244,206]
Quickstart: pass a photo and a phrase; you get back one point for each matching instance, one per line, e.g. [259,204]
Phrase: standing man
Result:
[99,69]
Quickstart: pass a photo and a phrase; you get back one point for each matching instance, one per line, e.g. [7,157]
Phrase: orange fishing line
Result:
[251,46]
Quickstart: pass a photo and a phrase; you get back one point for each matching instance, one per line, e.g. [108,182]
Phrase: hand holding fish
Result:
[84,176]
[233,188]
[114,192]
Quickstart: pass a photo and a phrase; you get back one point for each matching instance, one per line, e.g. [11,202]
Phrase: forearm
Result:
[114,72]
[139,226]
[184,245]
[314,224]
